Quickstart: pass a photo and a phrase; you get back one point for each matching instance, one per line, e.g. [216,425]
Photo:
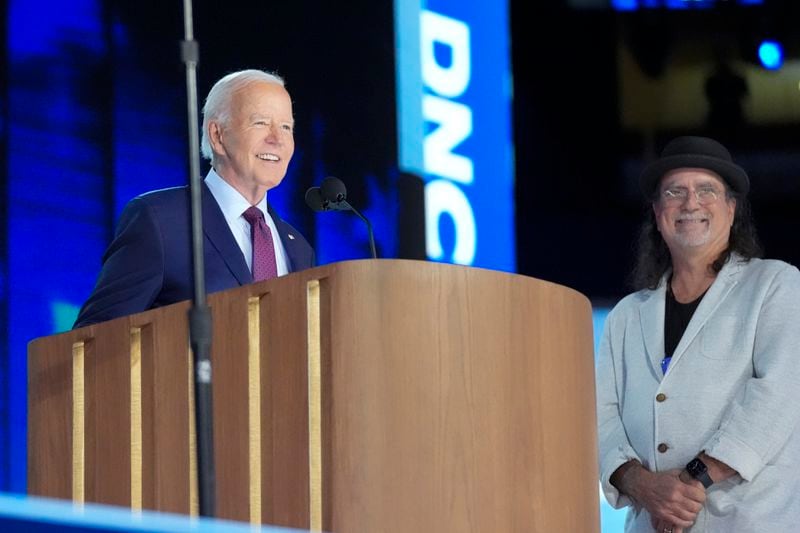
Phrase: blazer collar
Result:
[651,317]
[651,313]
[289,238]
[218,233]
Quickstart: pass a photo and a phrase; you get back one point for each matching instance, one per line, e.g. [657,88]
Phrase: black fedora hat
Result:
[694,152]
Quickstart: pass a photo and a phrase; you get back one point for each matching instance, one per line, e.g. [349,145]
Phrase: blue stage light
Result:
[634,5]
[770,53]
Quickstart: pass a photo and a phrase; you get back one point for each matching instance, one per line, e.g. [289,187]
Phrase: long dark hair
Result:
[652,255]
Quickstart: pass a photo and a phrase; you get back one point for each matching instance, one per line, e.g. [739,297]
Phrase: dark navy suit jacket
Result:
[149,262]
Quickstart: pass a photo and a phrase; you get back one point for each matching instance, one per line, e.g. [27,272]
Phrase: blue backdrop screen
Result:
[56,184]
[454,126]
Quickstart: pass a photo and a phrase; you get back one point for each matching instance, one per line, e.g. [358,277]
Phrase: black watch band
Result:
[699,471]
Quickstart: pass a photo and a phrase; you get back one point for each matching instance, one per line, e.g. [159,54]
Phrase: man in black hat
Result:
[697,373]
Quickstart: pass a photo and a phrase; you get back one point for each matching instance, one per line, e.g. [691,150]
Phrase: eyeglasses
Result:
[678,195]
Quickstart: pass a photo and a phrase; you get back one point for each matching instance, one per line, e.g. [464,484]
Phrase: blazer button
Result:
[662,448]
[660,397]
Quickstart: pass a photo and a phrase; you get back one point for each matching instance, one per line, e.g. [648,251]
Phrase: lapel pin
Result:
[290,236]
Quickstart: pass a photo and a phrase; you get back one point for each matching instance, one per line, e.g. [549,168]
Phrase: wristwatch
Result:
[699,471]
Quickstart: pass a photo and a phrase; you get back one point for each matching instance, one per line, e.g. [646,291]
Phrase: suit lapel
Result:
[219,234]
[651,315]
[287,236]
[725,281]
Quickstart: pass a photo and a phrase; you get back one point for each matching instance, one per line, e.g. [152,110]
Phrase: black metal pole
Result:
[199,314]
[369,227]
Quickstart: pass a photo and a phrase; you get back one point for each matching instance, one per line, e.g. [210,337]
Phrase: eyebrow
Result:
[257,116]
[709,183]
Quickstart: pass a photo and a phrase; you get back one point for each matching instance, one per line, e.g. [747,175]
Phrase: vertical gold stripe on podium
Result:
[314,406]
[194,498]
[254,404]
[136,419]
[78,423]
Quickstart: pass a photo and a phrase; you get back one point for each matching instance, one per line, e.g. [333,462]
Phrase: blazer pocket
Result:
[720,337]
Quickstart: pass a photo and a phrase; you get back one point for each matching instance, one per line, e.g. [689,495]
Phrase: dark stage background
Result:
[92,112]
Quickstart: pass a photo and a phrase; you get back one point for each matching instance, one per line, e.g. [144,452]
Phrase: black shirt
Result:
[676,318]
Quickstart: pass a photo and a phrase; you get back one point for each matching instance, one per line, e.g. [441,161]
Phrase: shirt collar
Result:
[230,201]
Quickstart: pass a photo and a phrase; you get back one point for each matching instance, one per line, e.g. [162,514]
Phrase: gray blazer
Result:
[731,389]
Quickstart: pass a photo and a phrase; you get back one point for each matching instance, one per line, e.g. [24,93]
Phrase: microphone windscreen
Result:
[333,190]
[314,199]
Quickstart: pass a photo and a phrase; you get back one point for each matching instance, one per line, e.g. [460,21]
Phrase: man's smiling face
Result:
[693,211]
[253,148]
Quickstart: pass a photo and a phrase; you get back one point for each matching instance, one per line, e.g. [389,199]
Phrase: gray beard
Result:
[695,239]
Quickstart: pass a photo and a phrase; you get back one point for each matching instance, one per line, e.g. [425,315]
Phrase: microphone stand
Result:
[199,314]
[346,205]
[332,196]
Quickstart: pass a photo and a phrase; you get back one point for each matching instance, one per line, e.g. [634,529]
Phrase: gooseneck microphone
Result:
[314,199]
[331,195]
[333,190]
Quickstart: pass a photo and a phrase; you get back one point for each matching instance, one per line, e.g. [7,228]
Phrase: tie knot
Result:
[253,215]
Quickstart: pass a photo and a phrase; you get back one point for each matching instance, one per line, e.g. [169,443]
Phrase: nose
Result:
[273,134]
[691,201]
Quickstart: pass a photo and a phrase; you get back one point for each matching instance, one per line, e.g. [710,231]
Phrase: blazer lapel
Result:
[288,239]
[651,314]
[219,234]
[725,281]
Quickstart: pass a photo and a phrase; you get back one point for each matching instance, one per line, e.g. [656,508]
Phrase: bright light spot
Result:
[63,315]
[771,54]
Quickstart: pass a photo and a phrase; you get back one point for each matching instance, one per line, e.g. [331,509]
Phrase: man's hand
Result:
[718,470]
[670,502]
[663,527]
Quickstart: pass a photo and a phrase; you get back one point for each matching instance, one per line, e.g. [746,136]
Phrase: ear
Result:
[215,138]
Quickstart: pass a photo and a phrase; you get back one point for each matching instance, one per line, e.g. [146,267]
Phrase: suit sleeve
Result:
[614,447]
[133,268]
[765,416]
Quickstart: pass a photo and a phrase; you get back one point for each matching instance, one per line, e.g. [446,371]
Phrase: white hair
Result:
[220,97]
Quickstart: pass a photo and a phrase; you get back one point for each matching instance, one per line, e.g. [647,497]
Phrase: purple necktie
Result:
[264,265]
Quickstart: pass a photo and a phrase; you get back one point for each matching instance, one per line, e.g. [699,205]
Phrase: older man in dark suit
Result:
[248,136]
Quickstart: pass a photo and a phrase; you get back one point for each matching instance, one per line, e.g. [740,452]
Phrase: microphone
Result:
[334,191]
[314,199]
[331,195]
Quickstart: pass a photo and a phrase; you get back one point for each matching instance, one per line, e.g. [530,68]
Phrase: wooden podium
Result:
[380,395]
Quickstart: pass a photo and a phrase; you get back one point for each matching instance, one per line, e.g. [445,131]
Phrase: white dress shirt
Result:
[233,206]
